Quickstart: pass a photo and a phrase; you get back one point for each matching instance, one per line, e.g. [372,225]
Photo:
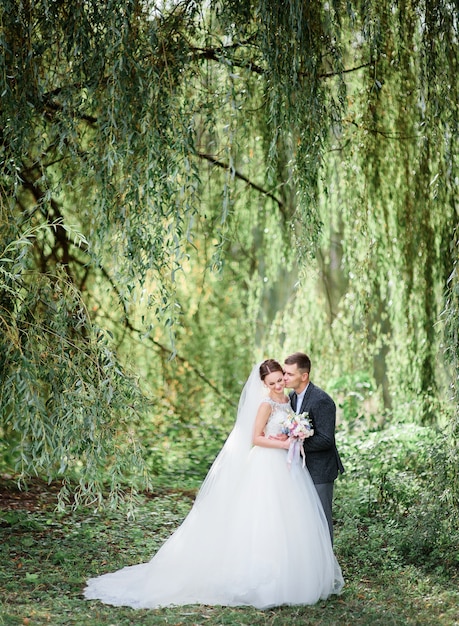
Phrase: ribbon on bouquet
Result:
[294,451]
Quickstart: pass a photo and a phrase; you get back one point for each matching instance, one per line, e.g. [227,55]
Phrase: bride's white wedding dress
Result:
[256,535]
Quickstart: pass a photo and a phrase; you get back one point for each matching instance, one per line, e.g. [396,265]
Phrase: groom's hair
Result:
[301,360]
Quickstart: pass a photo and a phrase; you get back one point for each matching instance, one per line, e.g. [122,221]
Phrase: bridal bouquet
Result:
[298,428]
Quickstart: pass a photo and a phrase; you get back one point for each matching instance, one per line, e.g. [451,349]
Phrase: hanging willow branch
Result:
[109,103]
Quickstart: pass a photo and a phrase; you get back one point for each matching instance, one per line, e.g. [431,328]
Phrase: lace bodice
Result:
[278,414]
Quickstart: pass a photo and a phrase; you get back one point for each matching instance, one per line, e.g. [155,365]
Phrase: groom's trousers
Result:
[325,491]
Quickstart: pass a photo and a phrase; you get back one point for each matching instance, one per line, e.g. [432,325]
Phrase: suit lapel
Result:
[306,397]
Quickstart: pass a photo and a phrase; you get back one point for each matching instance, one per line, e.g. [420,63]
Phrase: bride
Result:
[256,534]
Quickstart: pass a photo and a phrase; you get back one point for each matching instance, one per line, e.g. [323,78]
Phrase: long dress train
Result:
[258,538]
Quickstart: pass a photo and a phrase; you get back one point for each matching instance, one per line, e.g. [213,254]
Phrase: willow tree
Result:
[389,203]
[119,117]
[406,117]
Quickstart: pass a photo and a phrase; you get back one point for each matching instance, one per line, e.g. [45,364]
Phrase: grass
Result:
[396,538]
[46,558]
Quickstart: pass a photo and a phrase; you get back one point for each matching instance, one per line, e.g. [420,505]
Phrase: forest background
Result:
[189,187]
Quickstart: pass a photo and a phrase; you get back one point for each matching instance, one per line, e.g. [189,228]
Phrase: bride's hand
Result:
[280,437]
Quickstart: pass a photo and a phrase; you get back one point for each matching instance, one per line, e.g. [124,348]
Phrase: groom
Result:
[322,458]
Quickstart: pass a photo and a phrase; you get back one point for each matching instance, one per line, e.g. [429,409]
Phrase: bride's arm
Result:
[259,438]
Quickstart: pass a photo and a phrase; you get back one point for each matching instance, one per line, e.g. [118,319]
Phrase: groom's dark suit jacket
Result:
[322,458]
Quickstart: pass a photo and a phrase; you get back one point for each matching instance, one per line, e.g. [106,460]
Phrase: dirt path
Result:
[37,495]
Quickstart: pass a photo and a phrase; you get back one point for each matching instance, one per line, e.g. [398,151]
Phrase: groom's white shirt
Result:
[299,400]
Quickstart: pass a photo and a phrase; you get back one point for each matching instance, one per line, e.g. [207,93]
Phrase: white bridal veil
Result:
[228,468]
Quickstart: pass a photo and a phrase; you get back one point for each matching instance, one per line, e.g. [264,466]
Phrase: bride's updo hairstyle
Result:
[268,367]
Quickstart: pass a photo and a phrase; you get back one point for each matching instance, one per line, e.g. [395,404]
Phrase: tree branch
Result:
[130,326]
[217,54]
[54,221]
[226,166]
[348,71]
